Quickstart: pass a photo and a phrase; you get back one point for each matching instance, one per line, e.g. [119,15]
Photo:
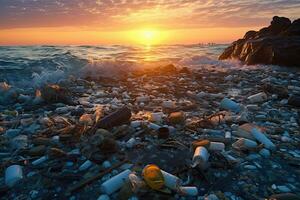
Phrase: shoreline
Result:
[197,95]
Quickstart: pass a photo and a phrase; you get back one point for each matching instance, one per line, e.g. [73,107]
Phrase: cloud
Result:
[125,14]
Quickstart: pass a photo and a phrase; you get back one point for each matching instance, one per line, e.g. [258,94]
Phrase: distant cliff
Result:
[277,44]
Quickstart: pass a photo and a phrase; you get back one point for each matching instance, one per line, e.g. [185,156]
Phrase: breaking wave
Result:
[34,66]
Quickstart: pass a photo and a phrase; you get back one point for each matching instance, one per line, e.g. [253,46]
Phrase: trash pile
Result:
[161,133]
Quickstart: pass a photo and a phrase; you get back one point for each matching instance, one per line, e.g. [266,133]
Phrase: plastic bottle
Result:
[115,183]
[228,104]
[171,181]
[262,138]
[200,157]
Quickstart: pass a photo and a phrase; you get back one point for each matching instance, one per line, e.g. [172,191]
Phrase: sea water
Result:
[33,66]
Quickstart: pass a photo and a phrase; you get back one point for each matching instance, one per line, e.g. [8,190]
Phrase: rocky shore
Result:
[277,44]
[163,133]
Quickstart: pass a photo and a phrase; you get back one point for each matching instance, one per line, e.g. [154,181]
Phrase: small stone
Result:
[176,118]
[106,164]
[211,197]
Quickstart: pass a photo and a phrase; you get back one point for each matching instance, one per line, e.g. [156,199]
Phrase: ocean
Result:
[34,66]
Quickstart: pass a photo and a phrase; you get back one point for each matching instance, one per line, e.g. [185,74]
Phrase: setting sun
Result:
[149,36]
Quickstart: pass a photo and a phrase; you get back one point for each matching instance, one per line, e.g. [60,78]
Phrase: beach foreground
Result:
[202,125]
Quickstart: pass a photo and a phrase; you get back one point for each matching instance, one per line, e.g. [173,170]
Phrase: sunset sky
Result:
[77,22]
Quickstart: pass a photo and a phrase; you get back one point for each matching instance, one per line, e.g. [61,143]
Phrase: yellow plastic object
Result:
[153,177]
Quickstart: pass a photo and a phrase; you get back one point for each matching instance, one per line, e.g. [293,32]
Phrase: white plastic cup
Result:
[200,157]
[256,98]
[188,191]
[13,174]
[87,164]
[228,104]
[172,182]
[115,183]
[262,138]
[216,146]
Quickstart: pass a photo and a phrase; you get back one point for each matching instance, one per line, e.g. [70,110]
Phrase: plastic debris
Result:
[153,177]
[228,104]
[200,157]
[115,183]
[257,98]
[13,174]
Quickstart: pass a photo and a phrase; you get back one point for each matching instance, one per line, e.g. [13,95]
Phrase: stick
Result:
[88,181]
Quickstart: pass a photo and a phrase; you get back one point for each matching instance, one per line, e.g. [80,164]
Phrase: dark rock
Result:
[170,68]
[185,70]
[279,24]
[294,101]
[109,146]
[56,94]
[116,118]
[284,196]
[281,91]
[293,30]
[250,35]
[277,44]
[163,133]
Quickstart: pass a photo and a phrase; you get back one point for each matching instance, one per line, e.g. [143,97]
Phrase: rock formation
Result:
[277,44]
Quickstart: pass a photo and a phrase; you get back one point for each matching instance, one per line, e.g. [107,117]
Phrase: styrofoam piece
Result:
[228,104]
[256,98]
[115,183]
[216,146]
[87,164]
[153,126]
[13,174]
[200,157]
[171,181]
[228,134]
[40,160]
[188,191]
[262,138]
